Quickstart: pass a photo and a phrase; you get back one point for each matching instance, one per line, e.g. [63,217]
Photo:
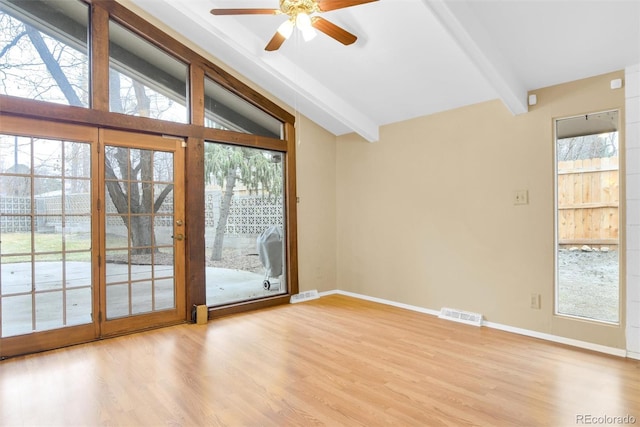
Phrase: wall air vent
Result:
[304,296]
[461,316]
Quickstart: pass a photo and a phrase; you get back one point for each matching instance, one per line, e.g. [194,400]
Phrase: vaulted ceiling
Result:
[414,57]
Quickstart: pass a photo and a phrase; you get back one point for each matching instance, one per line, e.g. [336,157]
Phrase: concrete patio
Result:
[224,286]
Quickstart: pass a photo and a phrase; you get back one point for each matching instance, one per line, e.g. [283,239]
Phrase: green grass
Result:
[17,247]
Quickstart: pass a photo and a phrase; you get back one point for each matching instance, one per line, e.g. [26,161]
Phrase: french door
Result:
[91,234]
[142,234]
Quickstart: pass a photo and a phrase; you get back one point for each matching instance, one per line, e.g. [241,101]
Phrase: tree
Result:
[259,170]
[128,174]
[34,65]
[588,147]
[51,70]
[135,194]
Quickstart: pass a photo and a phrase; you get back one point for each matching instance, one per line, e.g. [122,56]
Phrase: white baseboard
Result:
[520,331]
[561,340]
[382,301]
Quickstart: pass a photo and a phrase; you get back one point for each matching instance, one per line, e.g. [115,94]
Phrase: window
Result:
[244,217]
[587,217]
[44,51]
[144,80]
[225,110]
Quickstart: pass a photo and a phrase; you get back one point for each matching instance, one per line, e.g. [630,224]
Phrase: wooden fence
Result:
[588,201]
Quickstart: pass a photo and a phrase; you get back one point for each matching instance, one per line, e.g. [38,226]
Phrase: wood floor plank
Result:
[335,361]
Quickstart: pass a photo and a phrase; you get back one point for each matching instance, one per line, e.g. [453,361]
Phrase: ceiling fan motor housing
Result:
[294,7]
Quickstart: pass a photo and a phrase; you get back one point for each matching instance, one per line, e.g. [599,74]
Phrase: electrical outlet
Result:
[535,301]
[521,197]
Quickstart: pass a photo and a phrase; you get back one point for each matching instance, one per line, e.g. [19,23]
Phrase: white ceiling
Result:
[415,57]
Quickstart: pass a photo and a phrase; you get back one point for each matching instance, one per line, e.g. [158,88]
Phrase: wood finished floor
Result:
[335,361]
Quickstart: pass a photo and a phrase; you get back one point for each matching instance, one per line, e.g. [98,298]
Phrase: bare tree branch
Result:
[53,66]
[160,199]
[12,44]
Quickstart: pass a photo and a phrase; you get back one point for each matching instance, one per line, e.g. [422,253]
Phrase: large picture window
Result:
[244,217]
[587,212]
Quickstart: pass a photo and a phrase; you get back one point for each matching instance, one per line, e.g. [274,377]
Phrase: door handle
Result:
[178,237]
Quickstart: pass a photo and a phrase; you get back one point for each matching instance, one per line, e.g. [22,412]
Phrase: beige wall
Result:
[426,217]
[316,179]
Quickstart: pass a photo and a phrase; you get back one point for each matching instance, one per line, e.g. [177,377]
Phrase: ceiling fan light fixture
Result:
[286,28]
[303,21]
[308,34]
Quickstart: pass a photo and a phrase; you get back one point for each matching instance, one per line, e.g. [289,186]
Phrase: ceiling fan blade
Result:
[326,5]
[275,42]
[245,11]
[332,30]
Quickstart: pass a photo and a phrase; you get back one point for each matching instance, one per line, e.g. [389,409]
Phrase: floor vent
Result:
[304,296]
[461,316]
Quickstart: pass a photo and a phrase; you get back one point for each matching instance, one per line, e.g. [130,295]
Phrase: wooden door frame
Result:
[156,319]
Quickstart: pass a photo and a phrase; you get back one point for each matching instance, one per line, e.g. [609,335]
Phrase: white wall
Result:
[632,93]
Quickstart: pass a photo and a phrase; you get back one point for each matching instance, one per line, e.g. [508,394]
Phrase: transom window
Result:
[224,110]
[44,51]
[144,80]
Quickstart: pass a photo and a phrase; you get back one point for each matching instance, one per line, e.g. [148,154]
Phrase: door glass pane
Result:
[244,233]
[146,81]
[45,230]
[587,203]
[47,241]
[17,315]
[139,258]
[16,277]
[141,297]
[44,50]
[116,269]
[164,293]
[78,273]
[75,231]
[118,301]
[162,267]
[163,166]
[78,165]
[49,310]
[48,272]
[76,299]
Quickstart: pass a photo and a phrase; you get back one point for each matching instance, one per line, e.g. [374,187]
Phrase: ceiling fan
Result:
[304,15]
